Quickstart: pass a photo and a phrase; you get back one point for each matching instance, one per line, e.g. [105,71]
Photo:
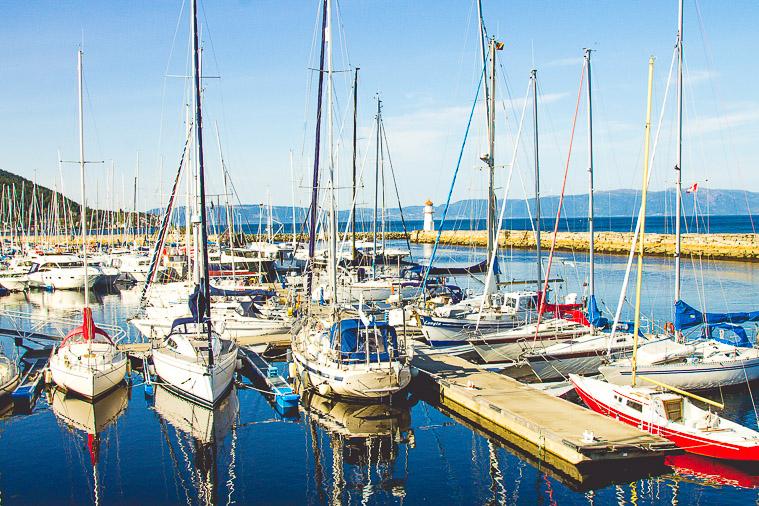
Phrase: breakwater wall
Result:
[742,247]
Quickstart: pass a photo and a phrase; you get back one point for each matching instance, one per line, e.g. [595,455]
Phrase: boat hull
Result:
[193,380]
[441,332]
[87,382]
[354,382]
[689,442]
[698,376]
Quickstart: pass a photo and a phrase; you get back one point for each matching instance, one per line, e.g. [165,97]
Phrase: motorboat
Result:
[62,272]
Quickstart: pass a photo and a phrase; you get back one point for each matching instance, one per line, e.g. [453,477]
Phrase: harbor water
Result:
[130,448]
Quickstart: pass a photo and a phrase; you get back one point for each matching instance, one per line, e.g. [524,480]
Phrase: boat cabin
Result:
[358,342]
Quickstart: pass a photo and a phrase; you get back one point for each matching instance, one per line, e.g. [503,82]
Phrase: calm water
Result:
[163,450]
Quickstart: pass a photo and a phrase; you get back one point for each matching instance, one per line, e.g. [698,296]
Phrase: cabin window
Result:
[673,409]
[635,405]
[171,344]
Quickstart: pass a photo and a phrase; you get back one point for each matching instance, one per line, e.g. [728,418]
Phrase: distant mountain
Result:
[612,203]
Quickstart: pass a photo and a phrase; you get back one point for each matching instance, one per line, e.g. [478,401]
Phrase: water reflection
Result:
[194,435]
[80,415]
[368,447]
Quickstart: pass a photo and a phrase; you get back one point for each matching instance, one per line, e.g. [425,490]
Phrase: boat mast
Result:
[355,136]
[330,143]
[534,78]
[315,181]
[591,230]
[639,273]
[292,176]
[83,207]
[376,189]
[492,223]
[678,165]
[205,282]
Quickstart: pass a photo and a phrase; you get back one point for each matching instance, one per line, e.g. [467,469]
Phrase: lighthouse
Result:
[429,222]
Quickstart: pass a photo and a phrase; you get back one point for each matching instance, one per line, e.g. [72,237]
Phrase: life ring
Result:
[669,328]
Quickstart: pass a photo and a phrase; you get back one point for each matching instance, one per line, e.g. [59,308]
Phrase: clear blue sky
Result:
[421,56]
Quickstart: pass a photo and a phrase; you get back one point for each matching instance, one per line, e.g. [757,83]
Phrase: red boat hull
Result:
[688,442]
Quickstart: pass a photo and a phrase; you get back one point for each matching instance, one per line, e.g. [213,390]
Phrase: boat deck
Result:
[564,435]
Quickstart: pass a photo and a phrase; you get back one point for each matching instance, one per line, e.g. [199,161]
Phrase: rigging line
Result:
[717,96]
[453,182]
[544,295]
[395,185]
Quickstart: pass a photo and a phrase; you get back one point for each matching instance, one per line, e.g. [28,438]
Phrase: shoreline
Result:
[738,247]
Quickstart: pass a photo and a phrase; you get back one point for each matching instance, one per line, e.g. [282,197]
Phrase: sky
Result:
[422,58]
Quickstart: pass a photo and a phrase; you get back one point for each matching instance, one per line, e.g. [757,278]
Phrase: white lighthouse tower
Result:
[429,222]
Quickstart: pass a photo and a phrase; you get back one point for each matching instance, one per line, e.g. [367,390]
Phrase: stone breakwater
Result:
[720,246]
[742,247]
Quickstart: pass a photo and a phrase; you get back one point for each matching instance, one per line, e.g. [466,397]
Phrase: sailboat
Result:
[668,412]
[705,361]
[491,311]
[87,362]
[193,360]
[348,357]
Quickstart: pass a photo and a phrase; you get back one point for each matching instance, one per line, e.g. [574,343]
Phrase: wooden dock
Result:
[565,436]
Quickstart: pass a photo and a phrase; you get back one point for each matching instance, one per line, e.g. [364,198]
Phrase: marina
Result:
[575,322]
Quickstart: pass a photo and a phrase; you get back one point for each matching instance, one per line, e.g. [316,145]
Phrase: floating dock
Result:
[565,436]
[30,381]
[284,395]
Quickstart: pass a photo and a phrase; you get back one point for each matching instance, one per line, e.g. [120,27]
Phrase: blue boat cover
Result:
[251,292]
[594,314]
[477,268]
[351,338]
[197,305]
[737,337]
[687,317]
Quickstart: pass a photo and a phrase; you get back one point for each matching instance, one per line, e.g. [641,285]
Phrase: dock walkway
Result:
[566,436]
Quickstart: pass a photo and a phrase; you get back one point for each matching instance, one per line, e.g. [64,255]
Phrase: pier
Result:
[569,438]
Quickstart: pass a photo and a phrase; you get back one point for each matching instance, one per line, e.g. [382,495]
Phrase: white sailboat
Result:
[704,362]
[347,357]
[193,360]
[87,362]
[669,413]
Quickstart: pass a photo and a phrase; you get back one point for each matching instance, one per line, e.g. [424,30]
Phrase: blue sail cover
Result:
[197,305]
[350,335]
[687,317]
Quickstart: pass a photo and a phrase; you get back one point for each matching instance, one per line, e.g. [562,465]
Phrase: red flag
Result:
[692,189]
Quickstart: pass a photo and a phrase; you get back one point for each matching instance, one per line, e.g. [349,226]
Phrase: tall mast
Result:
[355,135]
[534,77]
[203,246]
[678,166]
[83,207]
[492,222]
[591,231]
[376,189]
[330,144]
[315,181]
[642,218]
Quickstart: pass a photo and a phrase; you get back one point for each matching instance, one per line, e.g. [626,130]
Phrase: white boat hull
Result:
[85,381]
[694,376]
[195,380]
[375,381]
